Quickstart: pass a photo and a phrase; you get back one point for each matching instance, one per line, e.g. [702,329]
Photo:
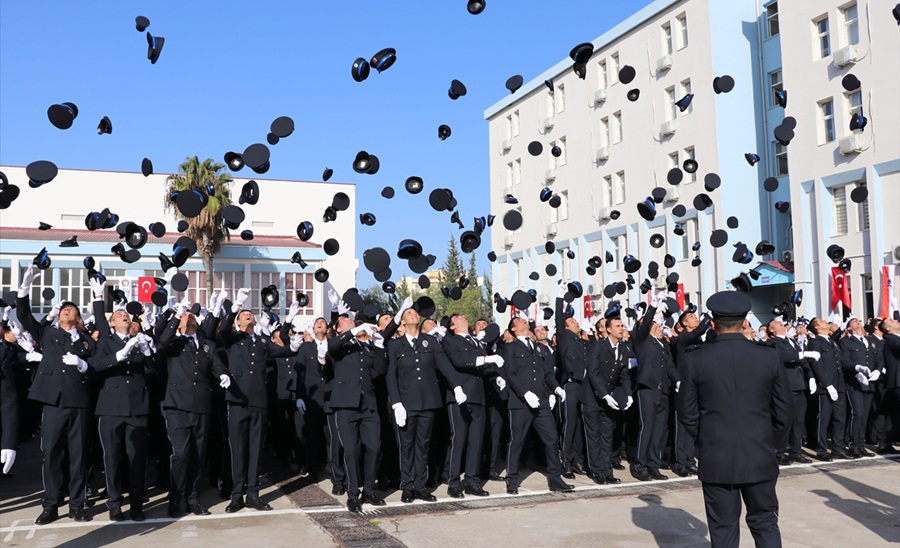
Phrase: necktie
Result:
[413,342]
[530,346]
[471,340]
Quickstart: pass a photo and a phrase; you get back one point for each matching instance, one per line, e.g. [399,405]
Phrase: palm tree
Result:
[207,229]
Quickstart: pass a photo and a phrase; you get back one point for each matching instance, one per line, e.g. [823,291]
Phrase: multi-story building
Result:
[613,152]
[257,263]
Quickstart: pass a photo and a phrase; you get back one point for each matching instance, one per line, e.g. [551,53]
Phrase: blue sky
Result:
[229,68]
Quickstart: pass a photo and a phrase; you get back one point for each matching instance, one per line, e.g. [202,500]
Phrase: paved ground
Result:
[834,504]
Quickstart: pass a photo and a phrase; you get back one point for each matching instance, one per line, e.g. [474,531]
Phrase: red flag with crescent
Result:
[146,285]
[840,289]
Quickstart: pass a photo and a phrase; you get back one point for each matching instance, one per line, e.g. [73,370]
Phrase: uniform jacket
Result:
[855,352]
[528,371]
[191,373]
[607,372]
[356,365]
[125,391]
[655,370]
[797,370]
[571,350]
[734,403]
[463,353]
[827,369]
[892,361]
[412,376]
[316,376]
[9,397]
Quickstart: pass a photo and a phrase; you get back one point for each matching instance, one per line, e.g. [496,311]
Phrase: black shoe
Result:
[854,454]
[783,460]
[801,459]
[49,515]
[612,480]
[692,468]
[354,506]
[865,453]
[338,489]
[579,469]
[568,473]
[373,499]
[683,471]
[656,475]
[234,506]
[618,466]
[455,492]
[476,491]
[137,514]
[174,510]
[116,515]
[257,504]
[840,455]
[494,476]
[408,496]
[512,490]
[198,510]
[824,457]
[80,515]
[560,486]
[426,496]
[640,474]
[599,480]
[889,450]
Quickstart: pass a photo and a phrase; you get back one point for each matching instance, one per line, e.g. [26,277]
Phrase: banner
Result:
[587,307]
[888,304]
[679,296]
[840,289]
[146,285]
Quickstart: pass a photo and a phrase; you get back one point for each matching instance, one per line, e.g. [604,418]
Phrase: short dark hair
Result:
[729,324]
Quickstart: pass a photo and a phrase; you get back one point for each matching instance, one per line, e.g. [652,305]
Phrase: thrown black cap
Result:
[179,282]
[514,83]
[712,181]
[376,259]
[247,235]
[146,167]
[679,211]
[160,297]
[41,171]
[549,247]
[783,207]
[141,23]
[329,215]
[62,115]
[492,256]
[718,238]
[550,270]
[512,220]
[305,230]
[282,126]
[134,308]
[191,202]
[581,53]
[764,248]
[633,94]
[555,201]
[182,225]
[669,261]
[154,47]
[105,126]
[690,165]
[535,148]
[732,222]
[331,246]
[770,184]
[457,89]
[657,241]
[249,193]
[835,253]
[521,300]
[424,306]
[367,219]
[751,158]
[702,202]
[383,60]
[340,201]
[444,131]
[321,275]
[234,161]
[631,264]
[413,185]
[387,192]
[647,209]
[626,74]
[360,69]
[469,241]
[135,236]
[850,82]
[678,230]
[71,241]
[742,253]
[256,156]
[534,276]
[723,84]
[674,176]
[440,198]
[741,283]
[233,216]
[658,194]
[859,194]
[696,261]
[409,249]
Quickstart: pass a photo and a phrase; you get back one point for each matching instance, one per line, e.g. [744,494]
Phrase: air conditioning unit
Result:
[550,175]
[664,63]
[507,144]
[543,298]
[548,122]
[787,256]
[672,194]
[845,56]
[599,96]
[667,127]
[851,144]
[507,241]
[601,154]
[550,230]
[605,213]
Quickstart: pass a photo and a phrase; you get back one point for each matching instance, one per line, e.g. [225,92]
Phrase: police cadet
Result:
[414,361]
[533,393]
[62,384]
[247,399]
[467,422]
[691,332]
[609,385]
[572,359]
[831,390]
[193,365]
[859,364]
[891,402]
[122,360]
[9,400]
[356,363]
[734,403]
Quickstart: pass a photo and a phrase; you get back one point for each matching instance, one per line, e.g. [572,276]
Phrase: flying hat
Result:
[679,211]
[469,241]
[387,192]
[62,115]
[711,182]
[742,254]
[247,235]
[770,184]
[191,202]
[555,201]
[105,126]
[751,158]
[165,263]
[658,194]
[575,288]
[512,220]
[732,222]
[234,161]
[678,230]
[782,207]
[633,94]
[256,157]
[690,165]
[797,297]
[282,126]
[41,172]
[556,151]
[409,249]
[249,193]
[590,270]
[331,246]
[413,185]
[340,201]
[440,198]
[233,216]
[631,264]
[157,229]
[71,241]
[850,82]
[514,83]
[647,209]
[360,69]
[457,89]
[581,53]
[674,176]
[443,131]
[535,148]
[179,282]
[135,236]
[781,98]
[858,122]
[535,276]
[845,265]
[702,202]
[321,275]
[718,238]
[668,261]
[154,47]
[626,74]
[492,256]
[550,269]
[367,219]
[595,261]
[297,259]
[383,60]
[376,259]
[859,194]
[269,296]
[305,230]
[764,248]
[657,241]
[570,254]
[741,283]
[159,297]
[42,259]
[696,260]
[127,256]
[684,102]
[723,84]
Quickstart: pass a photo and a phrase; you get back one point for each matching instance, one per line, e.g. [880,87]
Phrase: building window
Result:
[670,103]
[561,160]
[775,85]
[781,160]
[73,286]
[617,130]
[839,195]
[772,19]
[509,175]
[863,215]
[5,280]
[686,89]
[854,101]
[681,21]
[551,103]
[42,282]
[850,19]
[565,263]
[620,187]
[517,172]
[869,295]
[602,76]
[560,213]
[607,191]
[668,46]
[673,160]
[518,272]
[604,132]
[618,251]
[824,40]
[681,244]
[690,155]
[826,121]
[515,123]
[560,96]
[296,283]
[614,67]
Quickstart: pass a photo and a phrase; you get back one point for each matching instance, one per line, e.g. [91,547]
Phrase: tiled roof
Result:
[784,266]
[111,236]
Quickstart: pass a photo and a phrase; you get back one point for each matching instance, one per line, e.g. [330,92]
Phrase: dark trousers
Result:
[723,513]
[835,413]
[891,409]
[65,431]
[289,424]
[797,414]
[124,442]
[357,428]
[684,443]
[572,425]
[335,465]
[497,415]
[314,436]
[188,434]
[467,435]
[520,422]
[653,408]
[860,403]
[246,435]
[599,425]
[414,440]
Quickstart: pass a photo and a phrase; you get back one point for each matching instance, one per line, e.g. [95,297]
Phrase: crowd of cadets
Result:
[402,402]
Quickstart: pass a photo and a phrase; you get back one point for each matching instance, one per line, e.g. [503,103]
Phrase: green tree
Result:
[375,295]
[472,302]
[207,229]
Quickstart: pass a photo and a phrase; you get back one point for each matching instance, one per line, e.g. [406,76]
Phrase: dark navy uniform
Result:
[827,372]
[608,375]
[572,359]
[9,397]
[891,401]
[857,351]
[798,374]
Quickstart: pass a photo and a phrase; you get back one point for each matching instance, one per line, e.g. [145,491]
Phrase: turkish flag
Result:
[146,285]
[587,307]
[840,289]
[679,296]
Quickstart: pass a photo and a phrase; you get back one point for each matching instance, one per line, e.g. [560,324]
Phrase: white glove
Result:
[551,331]
[875,375]
[72,359]
[220,302]
[863,369]
[7,458]
[296,341]
[224,381]
[496,360]
[33,356]
[677,386]
[562,288]
[144,343]
[242,295]
[845,322]
[611,401]
[26,344]
[480,336]
[301,406]
[333,299]
[292,311]
[863,379]
[213,299]
[367,327]
[791,332]
[532,400]
[130,346]
[810,354]
[834,318]
[182,307]
[54,312]
[629,402]
[399,414]
[812,386]
[6,312]
[404,306]
[560,391]
[97,288]
[342,308]
[263,322]
[27,280]
[459,395]
[15,328]
[832,393]
[298,325]
[654,300]
[663,306]
[501,384]
[552,402]
[438,331]
[632,363]
[378,339]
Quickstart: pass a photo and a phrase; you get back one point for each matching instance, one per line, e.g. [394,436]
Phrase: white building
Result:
[65,201]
